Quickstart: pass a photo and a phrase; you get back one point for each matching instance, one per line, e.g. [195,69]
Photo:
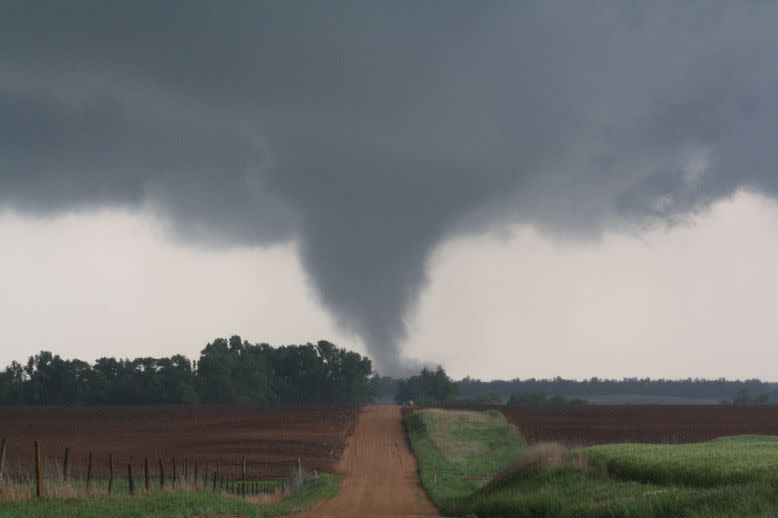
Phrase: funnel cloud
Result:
[369,132]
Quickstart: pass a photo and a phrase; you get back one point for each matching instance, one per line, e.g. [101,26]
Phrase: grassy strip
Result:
[726,477]
[728,460]
[182,505]
[460,451]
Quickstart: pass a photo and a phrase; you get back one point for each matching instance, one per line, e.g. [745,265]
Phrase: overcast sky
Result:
[567,188]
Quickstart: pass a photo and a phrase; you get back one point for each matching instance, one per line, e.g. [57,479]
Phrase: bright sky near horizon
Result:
[499,305]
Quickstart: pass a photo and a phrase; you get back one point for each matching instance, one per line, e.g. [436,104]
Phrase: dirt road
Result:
[380,473]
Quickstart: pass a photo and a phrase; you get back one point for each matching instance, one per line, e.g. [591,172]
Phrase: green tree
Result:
[228,371]
[427,387]
[215,382]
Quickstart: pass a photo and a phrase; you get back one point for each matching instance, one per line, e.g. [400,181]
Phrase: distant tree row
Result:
[541,399]
[420,388]
[712,390]
[228,372]
[744,397]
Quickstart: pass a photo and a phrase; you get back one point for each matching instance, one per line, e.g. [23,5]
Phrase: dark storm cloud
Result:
[370,131]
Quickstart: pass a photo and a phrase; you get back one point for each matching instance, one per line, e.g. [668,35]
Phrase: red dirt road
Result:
[380,473]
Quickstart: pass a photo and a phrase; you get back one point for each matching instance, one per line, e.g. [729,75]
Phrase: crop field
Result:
[467,472]
[271,439]
[728,460]
[594,424]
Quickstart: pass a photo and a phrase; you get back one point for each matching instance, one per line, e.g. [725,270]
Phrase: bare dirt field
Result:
[271,438]
[380,473]
[595,424]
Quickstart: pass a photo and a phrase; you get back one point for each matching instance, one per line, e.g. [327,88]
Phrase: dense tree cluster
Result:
[229,372]
[427,387]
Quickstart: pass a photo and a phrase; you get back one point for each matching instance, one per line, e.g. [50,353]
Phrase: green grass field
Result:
[734,476]
[572,492]
[164,504]
[728,460]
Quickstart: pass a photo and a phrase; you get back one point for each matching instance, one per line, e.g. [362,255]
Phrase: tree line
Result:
[234,371]
[437,387]
[541,399]
[714,390]
[228,371]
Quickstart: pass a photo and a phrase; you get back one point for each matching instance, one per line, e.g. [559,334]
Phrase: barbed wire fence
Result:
[84,475]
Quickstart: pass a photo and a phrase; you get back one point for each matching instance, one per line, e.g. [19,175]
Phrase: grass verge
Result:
[460,451]
[163,504]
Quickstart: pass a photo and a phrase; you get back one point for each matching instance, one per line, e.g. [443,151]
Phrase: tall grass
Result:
[185,501]
[21,485]
[24,489]
[18,483]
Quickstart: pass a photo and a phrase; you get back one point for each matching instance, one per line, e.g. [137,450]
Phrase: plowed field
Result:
[595,424]
[271,438]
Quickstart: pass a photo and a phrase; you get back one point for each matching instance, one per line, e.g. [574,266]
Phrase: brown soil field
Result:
[596,424]
[271,438]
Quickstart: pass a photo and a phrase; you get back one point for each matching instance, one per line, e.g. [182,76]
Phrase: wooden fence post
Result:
[146,478]
[161,475]
[2,458]
[243,468]
[89,472]
[195,474]
[214,481]
[66,465]
[38,475]
[205,476]
[110,473]
[131,478]
[175,475]
[186,469]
